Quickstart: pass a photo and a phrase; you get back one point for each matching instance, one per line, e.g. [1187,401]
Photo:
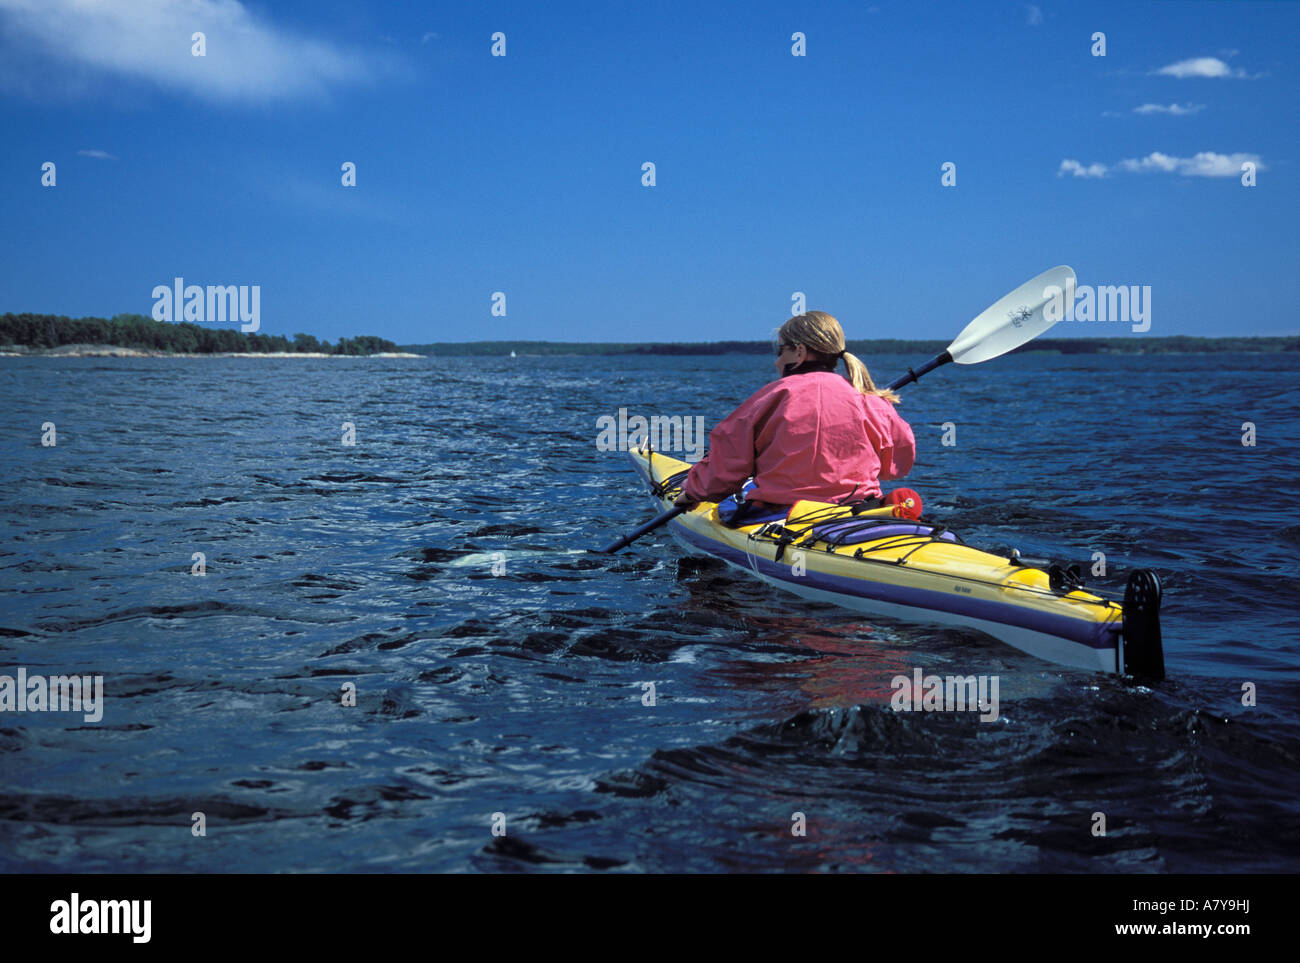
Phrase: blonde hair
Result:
[822,335]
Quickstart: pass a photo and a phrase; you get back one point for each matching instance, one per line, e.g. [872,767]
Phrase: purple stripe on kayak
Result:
[832,530]
[1095,635]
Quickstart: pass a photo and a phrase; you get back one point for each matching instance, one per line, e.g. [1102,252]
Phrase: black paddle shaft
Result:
[649,526]
[907,379]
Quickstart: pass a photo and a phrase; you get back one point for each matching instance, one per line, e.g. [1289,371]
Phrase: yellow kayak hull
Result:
[910,577]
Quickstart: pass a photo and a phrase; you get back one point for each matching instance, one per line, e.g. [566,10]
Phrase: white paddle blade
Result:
[1015,318]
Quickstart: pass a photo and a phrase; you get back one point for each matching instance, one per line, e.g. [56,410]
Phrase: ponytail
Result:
[860,378]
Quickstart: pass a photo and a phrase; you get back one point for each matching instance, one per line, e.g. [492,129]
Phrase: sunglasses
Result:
[780,348]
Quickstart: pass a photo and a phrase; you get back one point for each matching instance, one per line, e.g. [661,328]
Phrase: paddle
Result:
[649,526]
[1014,319]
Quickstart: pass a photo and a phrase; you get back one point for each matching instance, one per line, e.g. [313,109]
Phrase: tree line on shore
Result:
[138,331]
[1173,344]
[144,333]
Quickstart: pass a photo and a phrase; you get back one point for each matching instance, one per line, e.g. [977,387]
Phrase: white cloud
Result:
[248,59]
[430,35]
[1078,170]
[1200,67]
[1033,15]
[1155,161]
[1205,164]
[97,154]
[1177,110]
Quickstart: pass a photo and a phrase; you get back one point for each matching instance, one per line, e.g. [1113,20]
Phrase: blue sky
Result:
[774,173]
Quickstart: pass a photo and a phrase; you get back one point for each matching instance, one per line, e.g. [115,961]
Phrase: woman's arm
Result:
[730,461]
[893,440]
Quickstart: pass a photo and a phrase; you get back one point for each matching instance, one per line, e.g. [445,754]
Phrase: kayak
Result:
[877,560]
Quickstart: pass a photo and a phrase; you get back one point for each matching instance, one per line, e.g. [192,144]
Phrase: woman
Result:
[810,434]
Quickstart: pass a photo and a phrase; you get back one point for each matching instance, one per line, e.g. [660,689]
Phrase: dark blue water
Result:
[521,693]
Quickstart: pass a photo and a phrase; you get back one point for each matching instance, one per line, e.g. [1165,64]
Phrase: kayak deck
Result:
[913,570]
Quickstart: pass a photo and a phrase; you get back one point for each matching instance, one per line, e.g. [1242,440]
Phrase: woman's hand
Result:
[685,501]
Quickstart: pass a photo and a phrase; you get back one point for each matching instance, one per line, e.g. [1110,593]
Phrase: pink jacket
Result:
[810,435]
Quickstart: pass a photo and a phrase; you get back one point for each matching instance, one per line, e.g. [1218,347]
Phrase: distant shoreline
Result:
[1169,344]
[117,351]
[136,336]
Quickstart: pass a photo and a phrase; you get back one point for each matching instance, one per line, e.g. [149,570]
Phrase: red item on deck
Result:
[906,502]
